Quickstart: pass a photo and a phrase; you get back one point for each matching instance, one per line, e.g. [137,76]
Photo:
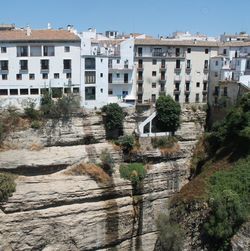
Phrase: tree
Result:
[168,114]
[113,120]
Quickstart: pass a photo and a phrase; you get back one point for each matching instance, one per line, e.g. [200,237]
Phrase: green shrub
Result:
[230,204]
[168,114]
[171,236]
[127,142]
[1,131]
[107,162]
[36,124]
[113,119]
[7,186]
[31,112]
[163,142]
[135,172]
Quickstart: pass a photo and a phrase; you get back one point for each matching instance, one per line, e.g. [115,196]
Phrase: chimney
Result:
[49,26]
[69,27]
[28,31]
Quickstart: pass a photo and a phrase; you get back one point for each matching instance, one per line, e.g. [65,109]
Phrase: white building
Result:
[229,72]
[108,68]
[34,60]
[178,68]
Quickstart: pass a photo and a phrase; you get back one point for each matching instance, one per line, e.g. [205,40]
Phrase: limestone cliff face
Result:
[241,240]
[52,210]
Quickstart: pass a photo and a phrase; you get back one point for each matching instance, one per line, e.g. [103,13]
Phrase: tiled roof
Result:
[176,42]
[37,35]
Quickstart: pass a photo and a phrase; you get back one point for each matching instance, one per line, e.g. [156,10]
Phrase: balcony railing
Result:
[140,90]
[177,91]
[177,70]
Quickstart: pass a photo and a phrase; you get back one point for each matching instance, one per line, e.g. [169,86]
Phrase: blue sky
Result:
[154,17]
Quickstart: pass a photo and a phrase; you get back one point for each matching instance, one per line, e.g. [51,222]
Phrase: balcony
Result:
[113,69]
[140,67]
[177,70]
[163,68]
[187,92]
[205,70]
[204,92]
[188,70]
[140,80]
[177,91]
[140,90]
[162,80]
[120,82]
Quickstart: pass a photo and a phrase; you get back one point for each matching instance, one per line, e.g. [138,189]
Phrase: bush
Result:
[107,162]
[113,119]
[171,236]
[163,142]
[168,114]
[7,186]
[36,124]
[135,172]
[31,112]
[127,142]
[230,204]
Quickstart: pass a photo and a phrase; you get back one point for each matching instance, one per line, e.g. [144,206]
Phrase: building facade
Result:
[32,61]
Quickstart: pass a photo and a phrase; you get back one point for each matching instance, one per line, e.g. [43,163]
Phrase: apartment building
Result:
[229,72]
[32,61]
[108,68]
[176,67]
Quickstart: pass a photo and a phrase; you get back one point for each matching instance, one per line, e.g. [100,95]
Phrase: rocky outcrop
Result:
[52,210]
[241,240]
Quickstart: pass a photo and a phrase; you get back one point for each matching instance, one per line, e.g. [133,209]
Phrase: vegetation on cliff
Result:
[7,186]
[221,180]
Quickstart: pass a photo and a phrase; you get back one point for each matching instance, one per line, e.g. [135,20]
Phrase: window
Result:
[68,75]
[44,64]
[140,63]
[153,85]
[110,78]
[101,90]
[163,63]
[216,62]
[110,63]
[35,51]
[44,91]
[197,84]
[67,64]
[187,86]
[90,77]
[216,74]
[24,91]
[3,49]
[154,61]
[67,90]
[89,93]
[118,61]
[187,98]
[23,65]
[139,51]
[3,92]
[18,76]
[176,97]
[140,77]
[188,50]
[13,91]
[101,75]
[90,63]
[248,64]
[204,85]
[4,76]
[66,49]
[110,92]
[31,76]
[188,64]
[125,77]
[153,98]
[224,51]
[101,60]
[206,64]
[45,75]
[197,97]
[177,86]
[206,51]
[22,51]
[76,90]
[163,75]
[177,52]
[34,91]
[118,75]
[4,65]
[56,75]
[204,98]
[57,92]
[48,51]
[153,73]
[178,64]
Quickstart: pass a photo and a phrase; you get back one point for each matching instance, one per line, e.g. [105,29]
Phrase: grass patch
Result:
[163,142]
[92,170]
[7,186]
[135,172]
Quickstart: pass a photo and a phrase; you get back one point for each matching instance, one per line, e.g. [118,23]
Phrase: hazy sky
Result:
[154,17]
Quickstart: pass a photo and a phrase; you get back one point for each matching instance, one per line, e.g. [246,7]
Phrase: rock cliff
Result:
[52,210]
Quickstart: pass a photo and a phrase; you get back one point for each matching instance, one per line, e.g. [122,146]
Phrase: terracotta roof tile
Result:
[37,35]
